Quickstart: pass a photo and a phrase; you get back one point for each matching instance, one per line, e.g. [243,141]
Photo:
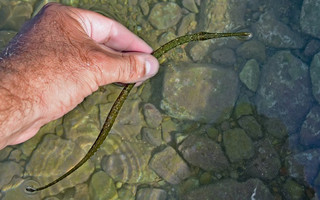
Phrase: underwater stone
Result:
[14,14]
[228,189]
[292,190]
[165,15]
[310,130]
[250,75]
[4,153]
[235,152]
[5,37]
[242,109]
[101,186]
[217,16]
[129,163]
[188,24]
[190,5]
[224,56]
[309,17]
[151,193]
[204,153]
[250,125]
[275,128]
[152,136]
[266,163]
[8,170]
[284,92]
[82,126]
[252,49]
[199,92]
[276,34]
[52,158]
[152,115]
[315,78]
[170,166]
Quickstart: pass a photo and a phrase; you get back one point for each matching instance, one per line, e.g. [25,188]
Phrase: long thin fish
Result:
[125,92]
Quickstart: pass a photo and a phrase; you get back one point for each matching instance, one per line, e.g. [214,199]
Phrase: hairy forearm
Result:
[17,113]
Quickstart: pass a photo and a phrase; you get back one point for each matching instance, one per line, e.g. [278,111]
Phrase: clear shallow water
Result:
[227,119]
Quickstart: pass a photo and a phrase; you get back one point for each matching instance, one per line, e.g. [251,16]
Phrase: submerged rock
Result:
[152,115]
[266,163]
[310,130]
[250,75]
[309,17]
[276,34]
[199,92]
[101,186]
[250,125]
[237,144]
[170,166]
[52,158]
[204,153]
[284,92]
[8,170]
[151,193]
[315,78]
[252,49]
[165,15]
[229,189]
[129,163]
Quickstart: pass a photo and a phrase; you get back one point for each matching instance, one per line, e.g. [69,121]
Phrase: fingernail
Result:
[151,67]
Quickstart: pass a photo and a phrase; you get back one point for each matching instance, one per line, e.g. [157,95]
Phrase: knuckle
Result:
[134,69]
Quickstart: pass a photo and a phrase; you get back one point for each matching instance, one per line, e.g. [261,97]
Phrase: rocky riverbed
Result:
[223,119]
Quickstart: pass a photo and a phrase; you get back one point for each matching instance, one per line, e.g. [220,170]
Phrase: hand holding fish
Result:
[57,59]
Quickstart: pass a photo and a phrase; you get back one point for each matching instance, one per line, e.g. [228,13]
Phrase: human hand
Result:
[57,59]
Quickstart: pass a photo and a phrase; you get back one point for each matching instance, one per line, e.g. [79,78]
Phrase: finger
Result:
[130,67]
[109,32]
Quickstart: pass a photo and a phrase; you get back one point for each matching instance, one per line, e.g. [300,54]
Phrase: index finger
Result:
[109,32]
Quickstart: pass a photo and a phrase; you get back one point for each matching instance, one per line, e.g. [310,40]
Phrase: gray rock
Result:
[293,190]
[229,189]
[250,75]
[235,152]
[284,90]
[204,153]
[152,136]
[129,163]
[188,24]
[250,125]
[312,48]
[315,78]
[170,166]
[199,92]
[275,128]
[151,193]
[8,170]
[5,37]
[165,15]
[152,115]
[252,49]
[266,163]
[310,130]
[304,166]
[14,14]
[224,56]
[53,165]
[190,5]
[309,17]
[101,186]
[217,17]
[276,34]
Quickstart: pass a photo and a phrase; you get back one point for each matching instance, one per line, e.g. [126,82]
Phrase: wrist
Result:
[19,120]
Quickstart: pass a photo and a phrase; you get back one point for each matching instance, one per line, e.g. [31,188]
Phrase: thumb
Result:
[129,67]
